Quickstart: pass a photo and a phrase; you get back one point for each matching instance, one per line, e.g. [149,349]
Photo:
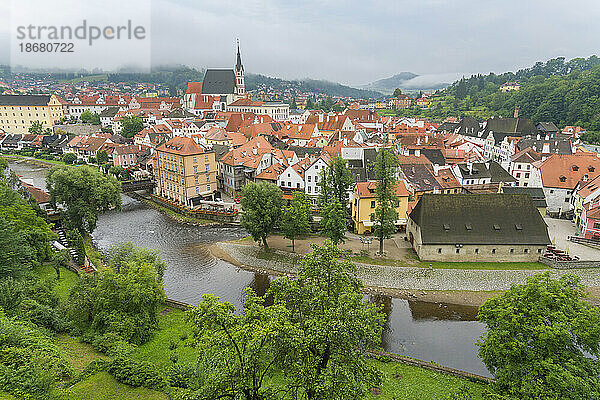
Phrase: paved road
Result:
[559,230]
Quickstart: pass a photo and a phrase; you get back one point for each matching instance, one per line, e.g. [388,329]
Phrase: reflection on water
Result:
[442,333]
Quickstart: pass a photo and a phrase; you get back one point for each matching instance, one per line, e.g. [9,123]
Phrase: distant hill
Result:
[257,81]
[387,85]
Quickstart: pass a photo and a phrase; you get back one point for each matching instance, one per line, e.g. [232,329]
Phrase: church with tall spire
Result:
[240,85]
[219,88]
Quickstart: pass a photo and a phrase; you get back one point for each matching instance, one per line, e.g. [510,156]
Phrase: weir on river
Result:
[443,333]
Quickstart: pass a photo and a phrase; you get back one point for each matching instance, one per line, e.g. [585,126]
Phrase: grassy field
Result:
[452,265]
[103,386]
[63,285]
[484,265]
[172,329]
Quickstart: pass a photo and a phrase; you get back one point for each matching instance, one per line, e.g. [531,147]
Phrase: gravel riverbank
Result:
[470,286]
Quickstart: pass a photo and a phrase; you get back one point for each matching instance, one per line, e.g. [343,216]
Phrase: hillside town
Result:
[201,149]
[356,202]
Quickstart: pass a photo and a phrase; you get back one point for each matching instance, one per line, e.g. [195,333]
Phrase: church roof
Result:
[218,81]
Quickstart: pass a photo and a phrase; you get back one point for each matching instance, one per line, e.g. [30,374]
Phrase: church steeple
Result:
[238,64]
[240,85]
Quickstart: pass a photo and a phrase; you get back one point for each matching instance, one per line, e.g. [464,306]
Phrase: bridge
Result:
[132,186]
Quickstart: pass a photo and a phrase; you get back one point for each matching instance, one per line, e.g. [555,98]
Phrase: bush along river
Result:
[442,333]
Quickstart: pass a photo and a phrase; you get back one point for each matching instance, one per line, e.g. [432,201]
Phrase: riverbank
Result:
[469,287]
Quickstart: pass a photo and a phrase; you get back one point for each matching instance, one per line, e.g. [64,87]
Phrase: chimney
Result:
[470,167]
[516,111]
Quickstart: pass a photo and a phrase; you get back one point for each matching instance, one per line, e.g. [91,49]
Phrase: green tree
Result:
[385,216]
[334,220]
[397,92]
[296,217]
[102,157]
[36,128]
[124,304]
[130,125]
[88,117]
[115,170]
[543,340]
[18,208]
[15,253]
[336,326]
[69,158]
[309,104]
[84,192]
[293,104]
[238,353]
[127,253]
[61,259]
[335,181]
[261,210]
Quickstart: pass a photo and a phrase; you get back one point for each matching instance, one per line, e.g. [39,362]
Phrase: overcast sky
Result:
[355,42]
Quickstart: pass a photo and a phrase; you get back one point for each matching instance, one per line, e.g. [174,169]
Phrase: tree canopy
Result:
[130,125]
[84,192]
[312,338]
[385,216]
[543,340]
[261,209]
[296,217]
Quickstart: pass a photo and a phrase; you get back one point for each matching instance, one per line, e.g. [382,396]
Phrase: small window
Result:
[469,227]
[439,250]
[562,178]
[591,169]
[476,251]
[539,251]
[372,203]
[512,251]
[496,227]
[575,168]
[457,251]
[446,227]
[493,251]
[519,227]
[526,251]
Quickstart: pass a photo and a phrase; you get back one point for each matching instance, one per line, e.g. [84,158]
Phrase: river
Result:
[443,333]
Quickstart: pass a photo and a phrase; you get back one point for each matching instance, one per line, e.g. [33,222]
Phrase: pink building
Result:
[591,223]
[127,155]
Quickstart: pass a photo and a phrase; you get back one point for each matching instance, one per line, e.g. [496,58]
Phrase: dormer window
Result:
[496,227]
[591,169]
[446,227]
[519,227]
[575,168]
[468,227]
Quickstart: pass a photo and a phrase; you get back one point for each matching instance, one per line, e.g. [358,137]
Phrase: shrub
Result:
[41,315]
[181,376]
[136,373]
[112,345]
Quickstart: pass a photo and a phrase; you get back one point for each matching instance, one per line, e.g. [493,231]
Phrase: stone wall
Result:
[569,264]
[479,252]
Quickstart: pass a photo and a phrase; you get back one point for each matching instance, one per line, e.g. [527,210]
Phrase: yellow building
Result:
[185,172]
[18,112]
[364,203]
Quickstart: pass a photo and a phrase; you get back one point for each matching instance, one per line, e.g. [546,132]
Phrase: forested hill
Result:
[566,93]
[256,81]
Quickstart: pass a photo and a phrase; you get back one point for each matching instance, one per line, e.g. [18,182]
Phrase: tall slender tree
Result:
[296,218]
[385,216]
